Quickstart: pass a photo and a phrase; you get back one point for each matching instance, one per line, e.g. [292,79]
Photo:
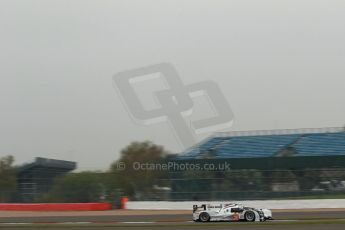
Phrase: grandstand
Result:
[37,178]
[264,165]
[257,144]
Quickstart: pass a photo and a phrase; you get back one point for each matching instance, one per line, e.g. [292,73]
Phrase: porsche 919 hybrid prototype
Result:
[229,212]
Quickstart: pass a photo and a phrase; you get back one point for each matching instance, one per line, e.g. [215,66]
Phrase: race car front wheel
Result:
[204,217]
[249,216]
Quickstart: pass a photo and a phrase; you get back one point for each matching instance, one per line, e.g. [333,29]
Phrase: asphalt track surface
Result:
[304,219]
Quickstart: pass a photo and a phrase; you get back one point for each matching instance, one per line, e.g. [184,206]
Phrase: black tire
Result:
[204,217]
[249,216]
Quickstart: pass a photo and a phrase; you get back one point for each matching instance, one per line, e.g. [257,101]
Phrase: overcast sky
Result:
[280,64]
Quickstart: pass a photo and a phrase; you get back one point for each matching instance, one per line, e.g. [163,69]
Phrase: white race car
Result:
[229,212]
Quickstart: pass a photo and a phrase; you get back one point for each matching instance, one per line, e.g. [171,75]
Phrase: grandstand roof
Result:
[45,163]
[253,144]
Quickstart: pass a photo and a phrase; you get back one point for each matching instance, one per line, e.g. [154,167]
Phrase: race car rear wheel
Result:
[204,217]
[249,216]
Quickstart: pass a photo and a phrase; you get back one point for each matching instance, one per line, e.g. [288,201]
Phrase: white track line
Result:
[142,222]
[74,222]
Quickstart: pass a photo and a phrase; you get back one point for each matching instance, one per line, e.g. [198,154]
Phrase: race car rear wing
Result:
[199,208]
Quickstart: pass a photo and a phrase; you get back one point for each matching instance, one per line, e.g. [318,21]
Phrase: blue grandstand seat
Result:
[321,144]
[315,144]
